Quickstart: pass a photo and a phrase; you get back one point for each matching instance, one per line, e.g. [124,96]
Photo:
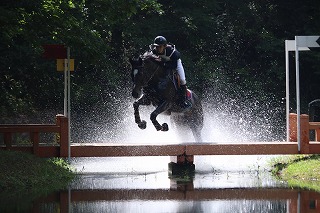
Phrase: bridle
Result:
[140,69]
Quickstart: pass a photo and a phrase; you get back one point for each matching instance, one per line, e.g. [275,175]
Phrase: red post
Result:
[293,206]
[62,121]
[304,128]
[304,123]
[293,127]
[8,140]
[190,159]
[64,201]
[317,132]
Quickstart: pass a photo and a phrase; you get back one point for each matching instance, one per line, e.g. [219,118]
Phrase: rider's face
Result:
[160,49]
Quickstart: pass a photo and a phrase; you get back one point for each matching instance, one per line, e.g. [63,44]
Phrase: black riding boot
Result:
[183,102]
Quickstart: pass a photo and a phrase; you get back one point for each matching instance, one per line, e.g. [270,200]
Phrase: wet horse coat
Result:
[158,88]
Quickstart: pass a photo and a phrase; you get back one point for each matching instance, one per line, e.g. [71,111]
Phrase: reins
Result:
[155,71]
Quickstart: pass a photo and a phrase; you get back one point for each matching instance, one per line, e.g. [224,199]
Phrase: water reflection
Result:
[143,184]
[181,197]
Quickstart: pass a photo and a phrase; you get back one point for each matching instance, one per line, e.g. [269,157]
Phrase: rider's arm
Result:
[172,64]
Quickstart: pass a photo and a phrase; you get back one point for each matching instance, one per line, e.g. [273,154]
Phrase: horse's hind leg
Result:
[153,117]
[142,124]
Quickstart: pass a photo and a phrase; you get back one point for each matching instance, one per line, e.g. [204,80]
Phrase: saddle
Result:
[173,77]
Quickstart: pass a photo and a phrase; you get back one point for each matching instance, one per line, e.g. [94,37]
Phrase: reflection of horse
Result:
[159,89]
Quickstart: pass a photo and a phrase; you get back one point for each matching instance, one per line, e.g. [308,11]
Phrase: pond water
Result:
[143,184]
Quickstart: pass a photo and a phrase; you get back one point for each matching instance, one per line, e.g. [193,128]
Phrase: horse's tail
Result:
[196,106]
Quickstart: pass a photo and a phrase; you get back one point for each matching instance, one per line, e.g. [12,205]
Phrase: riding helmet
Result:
[160,40]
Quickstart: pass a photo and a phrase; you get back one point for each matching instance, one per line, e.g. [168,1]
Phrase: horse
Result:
[153,85]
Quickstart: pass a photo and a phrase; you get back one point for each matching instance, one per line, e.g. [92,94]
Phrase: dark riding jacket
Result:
[170,57]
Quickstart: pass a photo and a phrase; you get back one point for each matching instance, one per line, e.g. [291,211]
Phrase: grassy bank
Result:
[23,172]
[300,171]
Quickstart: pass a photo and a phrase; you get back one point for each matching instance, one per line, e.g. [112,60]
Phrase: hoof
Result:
[158,127]
[142,124]
[165,127]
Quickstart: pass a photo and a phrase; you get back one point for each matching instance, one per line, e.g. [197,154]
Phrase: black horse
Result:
[159,88]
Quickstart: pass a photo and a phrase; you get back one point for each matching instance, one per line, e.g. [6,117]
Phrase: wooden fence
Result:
[306,127]
[183,152]
[33,130]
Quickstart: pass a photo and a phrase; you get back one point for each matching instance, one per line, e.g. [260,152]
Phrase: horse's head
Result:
[137,76]
[143,69]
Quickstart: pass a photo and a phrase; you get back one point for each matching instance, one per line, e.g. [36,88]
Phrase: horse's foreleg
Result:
[142,124]
[153,117]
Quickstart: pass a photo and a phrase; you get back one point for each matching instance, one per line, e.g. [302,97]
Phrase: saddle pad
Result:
[189,94]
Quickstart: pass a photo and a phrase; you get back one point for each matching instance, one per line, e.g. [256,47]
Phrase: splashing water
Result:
[225,121]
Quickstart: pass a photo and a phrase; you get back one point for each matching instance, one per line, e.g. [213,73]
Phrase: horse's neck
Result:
[154,69]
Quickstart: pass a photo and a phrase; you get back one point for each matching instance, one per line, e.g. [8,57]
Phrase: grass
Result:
[300,171]
[24,178]
[23,172]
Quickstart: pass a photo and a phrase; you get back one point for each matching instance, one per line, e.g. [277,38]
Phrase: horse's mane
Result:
[149,55]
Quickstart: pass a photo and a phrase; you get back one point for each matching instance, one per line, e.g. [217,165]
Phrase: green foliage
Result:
[61,163]
[24,178]
[27,173]
[240,42]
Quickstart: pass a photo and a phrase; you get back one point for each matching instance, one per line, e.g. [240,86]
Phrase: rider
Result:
[170,57]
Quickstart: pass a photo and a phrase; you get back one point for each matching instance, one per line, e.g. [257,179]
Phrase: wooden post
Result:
[64,201]
[293,127]
[8,140]
[189,159]
[35,141]
[182,159]
[293,206]
[317,135]
[62,121]
[304,123]
[305,131]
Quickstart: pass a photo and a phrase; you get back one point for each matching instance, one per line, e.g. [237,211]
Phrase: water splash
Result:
[225,121]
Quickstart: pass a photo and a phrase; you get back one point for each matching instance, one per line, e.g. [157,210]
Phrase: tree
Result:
[239,43]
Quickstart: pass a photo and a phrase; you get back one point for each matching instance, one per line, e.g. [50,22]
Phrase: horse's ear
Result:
[136,60]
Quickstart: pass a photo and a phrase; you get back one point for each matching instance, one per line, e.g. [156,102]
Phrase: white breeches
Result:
[180,71]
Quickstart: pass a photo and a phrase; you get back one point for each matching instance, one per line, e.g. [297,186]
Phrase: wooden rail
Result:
[117,150]
[34,130]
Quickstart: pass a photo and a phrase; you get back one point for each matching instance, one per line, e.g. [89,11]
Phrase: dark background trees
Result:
[238,44]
